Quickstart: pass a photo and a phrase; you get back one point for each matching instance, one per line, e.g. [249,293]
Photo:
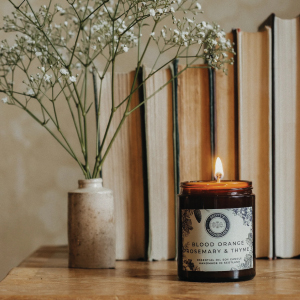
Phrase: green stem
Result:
[56,138]
[73,52]
[94,11]
[100,161]
[86,157]
[70,108]
[96,168]
[83,112]
[48,8]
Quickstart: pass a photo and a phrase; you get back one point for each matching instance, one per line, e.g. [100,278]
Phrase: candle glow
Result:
[219,173]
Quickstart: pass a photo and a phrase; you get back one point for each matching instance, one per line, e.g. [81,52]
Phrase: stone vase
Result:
[91,226]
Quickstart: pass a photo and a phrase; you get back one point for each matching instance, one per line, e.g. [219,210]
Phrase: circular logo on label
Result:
[217,225]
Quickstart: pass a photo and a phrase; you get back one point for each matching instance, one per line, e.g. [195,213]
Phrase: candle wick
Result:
[218,175]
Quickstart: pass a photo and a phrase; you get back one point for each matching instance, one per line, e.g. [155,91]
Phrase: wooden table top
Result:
[45,275]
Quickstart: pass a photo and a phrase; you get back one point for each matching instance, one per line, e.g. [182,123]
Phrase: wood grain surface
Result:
[44,275]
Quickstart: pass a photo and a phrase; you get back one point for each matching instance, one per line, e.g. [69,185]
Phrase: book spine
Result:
[272,25]
[142,94]
[212,106]
[174,70]
[270,21]
[236,103]
[176,147]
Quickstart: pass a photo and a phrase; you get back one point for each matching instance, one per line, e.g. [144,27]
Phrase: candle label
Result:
[217,239]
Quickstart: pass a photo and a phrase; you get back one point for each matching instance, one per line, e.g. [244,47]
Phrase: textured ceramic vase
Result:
[91,226]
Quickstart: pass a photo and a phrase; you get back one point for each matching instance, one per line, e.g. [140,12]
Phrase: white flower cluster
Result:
[65,72]
[54,43]
[93,28]
[211,37]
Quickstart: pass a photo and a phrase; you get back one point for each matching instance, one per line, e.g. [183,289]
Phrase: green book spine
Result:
[176,147]
[142,95]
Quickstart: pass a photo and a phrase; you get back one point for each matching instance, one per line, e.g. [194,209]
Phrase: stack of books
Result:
[250,118]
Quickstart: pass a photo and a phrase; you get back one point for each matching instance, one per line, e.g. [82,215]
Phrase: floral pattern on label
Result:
[217,239]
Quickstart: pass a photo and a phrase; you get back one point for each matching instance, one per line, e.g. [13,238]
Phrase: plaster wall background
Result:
[36,173]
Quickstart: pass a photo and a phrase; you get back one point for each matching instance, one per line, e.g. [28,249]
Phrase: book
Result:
[123,168]
[286,137]
[226,119]
[255,128]
[194,124]
[160,166]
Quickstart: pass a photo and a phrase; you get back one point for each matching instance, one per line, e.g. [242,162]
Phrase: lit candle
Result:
[216,230]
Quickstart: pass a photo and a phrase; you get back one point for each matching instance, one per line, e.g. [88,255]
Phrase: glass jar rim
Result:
[209,185]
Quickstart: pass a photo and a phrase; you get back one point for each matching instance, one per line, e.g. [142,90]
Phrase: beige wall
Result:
[36,173]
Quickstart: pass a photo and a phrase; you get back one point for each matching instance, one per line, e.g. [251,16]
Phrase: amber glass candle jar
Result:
[216,240]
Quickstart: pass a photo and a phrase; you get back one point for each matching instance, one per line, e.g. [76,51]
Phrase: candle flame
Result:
[219,173]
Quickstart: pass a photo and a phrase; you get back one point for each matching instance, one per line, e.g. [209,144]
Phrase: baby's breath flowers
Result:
[59,45]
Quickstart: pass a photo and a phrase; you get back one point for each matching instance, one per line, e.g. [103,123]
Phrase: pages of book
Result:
[226,119]
[287,135]
[123,167]
[254,109]
[194,124]
[160,165]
